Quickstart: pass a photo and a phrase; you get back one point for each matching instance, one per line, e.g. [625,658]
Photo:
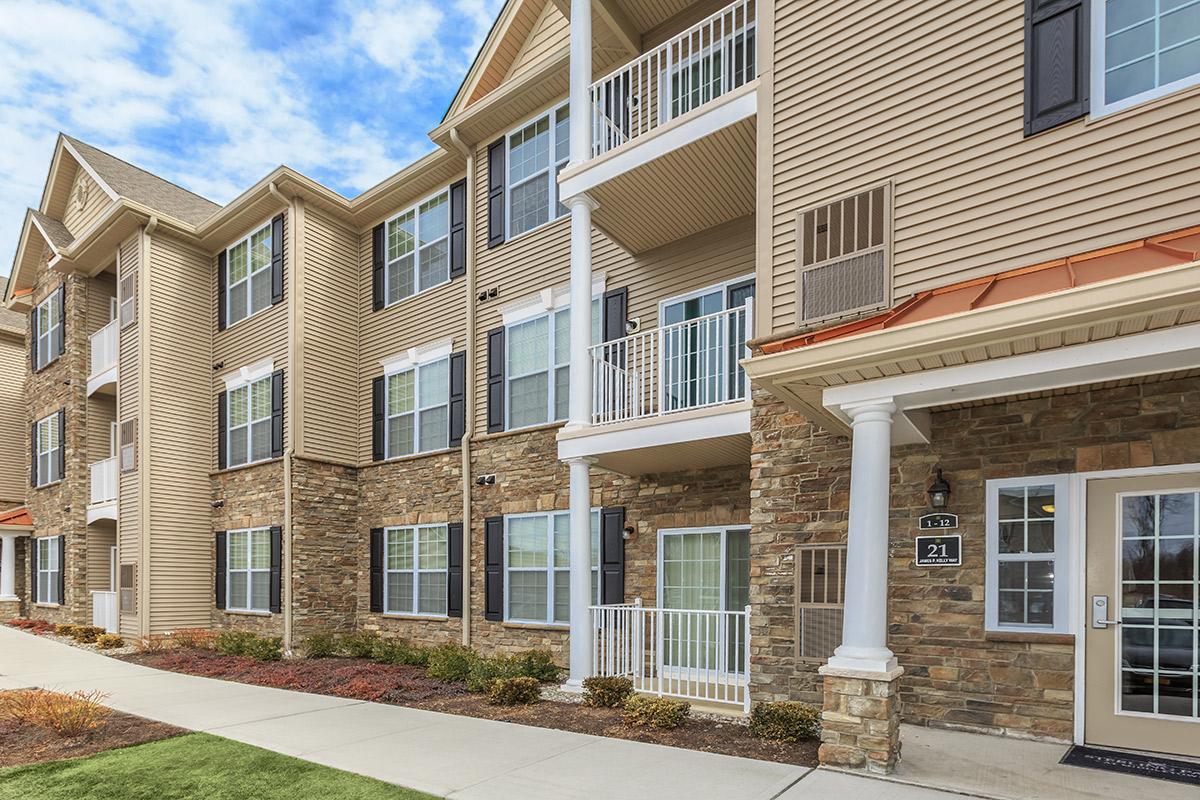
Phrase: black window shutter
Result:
[276,569]
[495,380]
[612,555]
[378,409]
[493,568]
[377,570]
[277,414]
[458,397]
[277,260]
[222,290]
[33,570]
[458,229]
[615,311]
[33,339]
[62,444]
[1057,66]
[62,319]
[220,570]
[33,476]
[222,430]
[61,599]
[496,192]
[454,570]
[377,248]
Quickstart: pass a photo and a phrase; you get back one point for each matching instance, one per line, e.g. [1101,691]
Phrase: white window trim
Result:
[51,422]
[723,286]
[417,356]
[550,299]
[1099,108]
[416,571]
[46,355]
[555,160]
[724,530]
[1062,555]
[255,377]
[549,569]
[414,368]
[230,322]
[48,578]
[249,374]
[250,572]
[415,209]
[550,309]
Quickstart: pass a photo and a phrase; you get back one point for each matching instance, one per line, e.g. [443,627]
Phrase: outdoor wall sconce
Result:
[485,480]
[939,492]
[218,504]
[627,534]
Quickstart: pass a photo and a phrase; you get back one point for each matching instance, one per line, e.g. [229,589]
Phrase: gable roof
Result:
[10,320]
[140,186]
[55,232]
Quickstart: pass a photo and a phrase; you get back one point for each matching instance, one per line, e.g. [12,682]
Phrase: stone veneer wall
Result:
[252,497]
[955,674]
[325,546]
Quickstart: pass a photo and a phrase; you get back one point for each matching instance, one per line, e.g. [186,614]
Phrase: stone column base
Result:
[10,609]
[860,721]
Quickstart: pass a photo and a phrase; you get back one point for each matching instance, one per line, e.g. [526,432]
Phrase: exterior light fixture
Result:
[939,492]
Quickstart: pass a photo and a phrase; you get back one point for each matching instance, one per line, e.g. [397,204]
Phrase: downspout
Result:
[143,309]
[296,248]
[469,428]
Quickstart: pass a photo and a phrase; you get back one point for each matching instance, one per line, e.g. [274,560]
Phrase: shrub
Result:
[537,664]
[607,692]
[321,645]
[154,643]
[450,662]
[200,638]
[244,643]
[516,691]
[65,714]
[484,671]
[38,626]
[360,644]
[107,641]
[265,648]
[657,712]
[64,629]
[785,721]
[400,651]
[87,634]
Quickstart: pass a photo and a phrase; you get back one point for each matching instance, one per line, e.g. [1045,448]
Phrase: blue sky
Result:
[213,95]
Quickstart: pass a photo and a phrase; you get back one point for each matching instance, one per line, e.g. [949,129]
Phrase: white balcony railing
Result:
[698,655]
[104,611]
[709,59]
[104,348]
[104,481]
[690,364]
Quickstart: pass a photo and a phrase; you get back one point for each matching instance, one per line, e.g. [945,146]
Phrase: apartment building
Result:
[756,351]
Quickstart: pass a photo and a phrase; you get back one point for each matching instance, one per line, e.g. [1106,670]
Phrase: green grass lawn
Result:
[196,765]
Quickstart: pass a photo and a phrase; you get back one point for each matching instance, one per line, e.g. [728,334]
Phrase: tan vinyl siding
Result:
[506,51]
[930,95]
[128,404]
[179,441]
[329,316]
[551,32]
[263,335]
[78,218]
[14,432]
[101,289]
[101,535]
[101,413]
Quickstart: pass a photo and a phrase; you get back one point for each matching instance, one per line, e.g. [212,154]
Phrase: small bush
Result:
[484,671]
[450,662]
[244,643]
[107,641]
[87,634]
[360,644]
[265,648]
[67,715]
[321,645]
[64,629]
[400,651]
[607,692]
[154,643]
[200,638]
[38,626]
[785,721]
[537,664]
[657,712]
[516,691]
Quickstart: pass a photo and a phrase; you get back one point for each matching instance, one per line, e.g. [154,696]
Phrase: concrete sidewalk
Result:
[443,754]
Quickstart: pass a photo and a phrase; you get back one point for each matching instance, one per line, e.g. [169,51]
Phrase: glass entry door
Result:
[1142,684]
[701,347]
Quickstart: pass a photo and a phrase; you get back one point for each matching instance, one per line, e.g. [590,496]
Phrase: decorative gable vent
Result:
[844,259]
[820,600]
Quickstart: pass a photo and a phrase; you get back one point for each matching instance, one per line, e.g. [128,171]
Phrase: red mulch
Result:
[409,686]
[38,626]
[29,744]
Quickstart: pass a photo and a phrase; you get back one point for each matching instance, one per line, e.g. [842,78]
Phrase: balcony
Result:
[103,501]
[105,344]
[672,398]
[673,129]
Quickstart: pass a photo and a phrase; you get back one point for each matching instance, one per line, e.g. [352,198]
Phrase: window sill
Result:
[417,617]
[413,296]
[245,613]
[537,626]
[518,237]
[256,315]
[239,467]
[47,605]
[41,486]
[1144,105]
[414,456]
[1032,637]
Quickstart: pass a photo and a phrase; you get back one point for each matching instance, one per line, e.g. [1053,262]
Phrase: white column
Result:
[581,573]
[579,412]
[864,626]
[581,80]
[8,567]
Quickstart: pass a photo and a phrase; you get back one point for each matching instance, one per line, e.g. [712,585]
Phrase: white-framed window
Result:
[249,421]
[415,563]
[49,328]
[418,248]
[248,570]
[1028,555]
[1141,50]
[537,366]
[49,566]
[248,275]
[49,444]
[537,567]
[703,76]
[418,409]
[537,152]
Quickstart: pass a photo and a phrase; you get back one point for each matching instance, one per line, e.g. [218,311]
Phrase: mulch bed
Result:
[409,686]
[29,744]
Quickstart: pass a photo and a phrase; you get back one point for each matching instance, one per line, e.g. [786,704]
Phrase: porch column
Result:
[581,81]
[860,718]
[8,567]
[581,573]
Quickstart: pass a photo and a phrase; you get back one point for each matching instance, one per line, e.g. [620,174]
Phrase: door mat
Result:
[1146,766]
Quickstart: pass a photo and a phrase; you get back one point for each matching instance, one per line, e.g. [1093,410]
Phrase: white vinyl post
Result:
[864,624]
[8,567]
[581,573]
[581,81]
